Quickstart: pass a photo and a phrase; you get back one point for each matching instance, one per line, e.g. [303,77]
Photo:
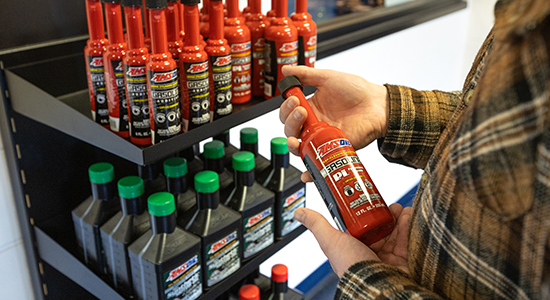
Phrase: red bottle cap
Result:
[249,292]
[279,273]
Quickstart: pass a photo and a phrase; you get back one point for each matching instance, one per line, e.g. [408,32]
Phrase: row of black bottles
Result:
[187,241]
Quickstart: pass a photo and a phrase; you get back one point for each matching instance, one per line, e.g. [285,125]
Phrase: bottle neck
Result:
[113,17]
[255,6]
[159,38]
[176,185]
[279,288]
[301,6]
[233,8]
[94,15]
[244,178]
[216,20]
[214,164]
[205,7]
[165,224]
[133,206]
[148,172]
[180,8]
[208,200]
[251,147]
[191,21]
[281,8]
[280,161]
[146,15]
[104,191]
[172,22]
[134,27]
[222,137]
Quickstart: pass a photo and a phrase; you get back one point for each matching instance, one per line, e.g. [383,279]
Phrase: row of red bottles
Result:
[279,286]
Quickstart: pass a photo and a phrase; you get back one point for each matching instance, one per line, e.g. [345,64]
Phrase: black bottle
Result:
[213,161]
[194,164]
[279,282]
[284,181]
[165,260]
[153,181]
[218,227]
[228,148]
[175,171]
[123,229]
[255,204]
[249,142]
[94,212]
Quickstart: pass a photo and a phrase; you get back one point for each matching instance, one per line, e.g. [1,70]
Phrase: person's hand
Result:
[343,250]
[359,108]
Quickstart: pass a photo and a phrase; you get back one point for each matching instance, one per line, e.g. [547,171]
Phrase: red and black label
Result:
[136,86]
[98,92]
[198,93]
[241,63]
[119,115]
[221,74]
[307,50]
[258,62]
[277,55]
[165,105]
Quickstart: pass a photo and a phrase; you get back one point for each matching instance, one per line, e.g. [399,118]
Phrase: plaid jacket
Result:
[480,222]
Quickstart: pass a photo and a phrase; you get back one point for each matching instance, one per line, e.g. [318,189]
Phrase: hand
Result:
[359,108]
[343,250]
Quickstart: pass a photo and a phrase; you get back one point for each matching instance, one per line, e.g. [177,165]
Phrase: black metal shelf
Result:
[63,261]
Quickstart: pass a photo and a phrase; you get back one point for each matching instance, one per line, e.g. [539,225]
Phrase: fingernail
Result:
[299,215]
[291,104]
[297,115]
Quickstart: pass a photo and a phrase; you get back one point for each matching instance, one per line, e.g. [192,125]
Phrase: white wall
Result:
[433,55]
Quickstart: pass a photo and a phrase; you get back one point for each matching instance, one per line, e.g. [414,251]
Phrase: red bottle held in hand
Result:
[281,48]
[135,75]
[257,23]
[219,52]
[342,180]
[238,37]
[162,78]
[95,72]
[307,34]
[114,69]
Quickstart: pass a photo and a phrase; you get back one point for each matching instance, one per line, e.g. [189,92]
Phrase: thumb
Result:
[307,75]
[317,224]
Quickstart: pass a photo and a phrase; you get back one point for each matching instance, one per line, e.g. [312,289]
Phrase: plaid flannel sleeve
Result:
[416,121]
[376,280]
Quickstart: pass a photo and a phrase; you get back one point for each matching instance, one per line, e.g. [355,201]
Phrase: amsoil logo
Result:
[325,148]
[181,269]
[136,71]
[196,68]
[312,41]
[97,62]
[217,246]
[289,47]
[119,67]
[240,47]
[162,77]
[223,60]
[299,194]
[260,43]
[257,218]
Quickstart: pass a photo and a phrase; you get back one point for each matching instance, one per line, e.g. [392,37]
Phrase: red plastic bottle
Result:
[135,75]
[162,78]
[147,39]
[281,48]
[94,50]
[271,14]
[238,37]
[219,52]
[249,292]
[352,198]
[195,89]
[279,282]
[182,25]
[205,19]
[246,10]
[114,69]
[257,23]
[173,29]
[307,34]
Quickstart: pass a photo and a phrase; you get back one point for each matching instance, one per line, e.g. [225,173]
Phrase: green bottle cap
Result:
[279,146]
[207,182]
[214,149]
[101,173]
[161,204]
[249,135]
[130,187]
[175,167]
[243,161]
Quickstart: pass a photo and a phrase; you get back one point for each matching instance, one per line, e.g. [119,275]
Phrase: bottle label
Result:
[136,86]
[338,171]
[307,50]
[96,84]
[258,62]
[277,55]
[184,282]
[241,64]
[222,258]
[165,105]
[197,93]
[258,232]
[221,74]
[289,205]
[118,111]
